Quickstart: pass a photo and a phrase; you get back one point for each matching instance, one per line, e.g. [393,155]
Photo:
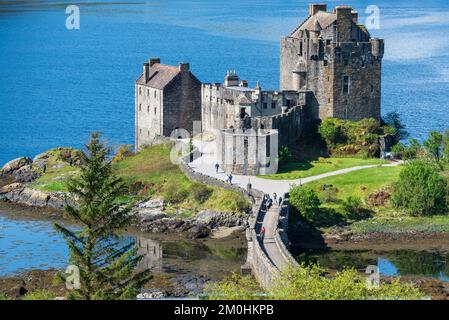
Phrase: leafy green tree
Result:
[306,201]
[421,190]
[399,150]
[413,150]
[331,132]
[106,266]
[434,145]
[394,121]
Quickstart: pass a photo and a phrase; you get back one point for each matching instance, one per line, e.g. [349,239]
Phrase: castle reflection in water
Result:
[151,251]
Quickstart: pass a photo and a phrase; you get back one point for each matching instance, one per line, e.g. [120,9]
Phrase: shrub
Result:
[354,209]
[125,150]
[399,151]
[306,201]
[310,283]
[174,192]
[228,201]
[421,190]
[201,192]
[330,131]
[285,156]
[234,287]
[40,294]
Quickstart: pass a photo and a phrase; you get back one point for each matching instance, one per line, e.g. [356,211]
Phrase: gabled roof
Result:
[160,76]
[324,19]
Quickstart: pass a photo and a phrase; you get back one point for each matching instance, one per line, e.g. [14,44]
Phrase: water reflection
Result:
[28,243]
[152,254]
[434,264]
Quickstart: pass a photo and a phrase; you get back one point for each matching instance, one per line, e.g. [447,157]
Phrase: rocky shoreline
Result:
[16,188]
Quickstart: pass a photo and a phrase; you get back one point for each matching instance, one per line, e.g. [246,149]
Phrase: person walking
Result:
[230,178]
[216,167]
[280,201]
[262,233]
[275,196]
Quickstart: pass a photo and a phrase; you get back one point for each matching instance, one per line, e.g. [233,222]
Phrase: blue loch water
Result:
[57,86]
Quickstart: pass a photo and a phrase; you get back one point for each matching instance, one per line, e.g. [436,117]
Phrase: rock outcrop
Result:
[20,193]
[20,169]
[151,218]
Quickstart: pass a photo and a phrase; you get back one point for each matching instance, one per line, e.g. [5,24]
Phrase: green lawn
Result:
[296,170]
[360,183]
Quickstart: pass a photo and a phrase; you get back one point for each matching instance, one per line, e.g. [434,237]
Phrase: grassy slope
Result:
[151,169]
[359,183]
[57,172]
[364,182]
[296,170]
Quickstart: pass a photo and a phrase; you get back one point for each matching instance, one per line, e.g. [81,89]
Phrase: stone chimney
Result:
[153,61]
[146,71]
[355,16]
[184,67]
[344,23]
[315,7]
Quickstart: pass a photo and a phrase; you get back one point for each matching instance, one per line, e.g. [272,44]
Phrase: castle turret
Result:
[299,75]
[377,48]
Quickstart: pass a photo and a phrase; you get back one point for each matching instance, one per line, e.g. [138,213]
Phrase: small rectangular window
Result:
[325,62]
[346,62]
[372,89]
[140,107]
[273,105]
[155,110]
[148,108]
[265,105]
[140,90]
[155,93]
[346,85]
[148,92]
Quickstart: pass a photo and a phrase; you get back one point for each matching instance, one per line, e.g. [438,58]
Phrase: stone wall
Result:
[181,103]
[288,124]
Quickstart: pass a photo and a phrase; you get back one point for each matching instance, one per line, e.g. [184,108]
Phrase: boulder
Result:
[14,165]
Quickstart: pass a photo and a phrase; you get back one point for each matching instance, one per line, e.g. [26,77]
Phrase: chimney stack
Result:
[184,67]
[355,16]
[315,7]
[153,61]
[146,71]
[344,23]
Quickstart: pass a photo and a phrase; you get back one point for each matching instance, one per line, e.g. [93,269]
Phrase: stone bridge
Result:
[266,257]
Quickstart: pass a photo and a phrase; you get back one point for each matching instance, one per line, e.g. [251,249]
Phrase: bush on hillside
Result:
[306,201]
[201,192]
[421,190]
[354,209]
[344,137]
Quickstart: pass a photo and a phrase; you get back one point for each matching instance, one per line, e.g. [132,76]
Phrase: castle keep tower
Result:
[335,58]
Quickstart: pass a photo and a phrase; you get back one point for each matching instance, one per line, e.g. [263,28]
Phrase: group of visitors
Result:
[270,200]
[228,176]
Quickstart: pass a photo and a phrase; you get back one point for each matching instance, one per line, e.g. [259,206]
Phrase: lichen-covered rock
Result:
[14,165]
[20,193]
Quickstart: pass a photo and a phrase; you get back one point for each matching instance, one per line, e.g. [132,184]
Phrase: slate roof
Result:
[323,18]
[160,76]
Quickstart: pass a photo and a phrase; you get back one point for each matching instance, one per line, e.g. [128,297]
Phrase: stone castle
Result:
[329,67]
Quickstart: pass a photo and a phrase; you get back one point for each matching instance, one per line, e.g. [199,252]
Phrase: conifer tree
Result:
[107,266]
